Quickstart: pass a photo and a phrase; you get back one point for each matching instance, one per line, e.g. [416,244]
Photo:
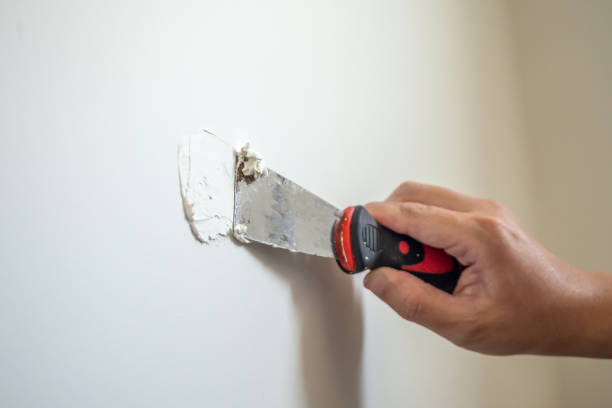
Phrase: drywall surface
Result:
[105,297]
[565,58]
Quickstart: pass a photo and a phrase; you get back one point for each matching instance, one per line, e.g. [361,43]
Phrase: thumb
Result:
[414,299]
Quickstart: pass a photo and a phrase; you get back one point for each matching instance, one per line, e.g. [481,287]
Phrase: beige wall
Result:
[564,53]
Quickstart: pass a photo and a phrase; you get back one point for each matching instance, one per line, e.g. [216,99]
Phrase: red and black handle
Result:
[360,243]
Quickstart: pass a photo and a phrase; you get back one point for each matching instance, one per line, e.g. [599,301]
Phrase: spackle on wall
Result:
[206,175]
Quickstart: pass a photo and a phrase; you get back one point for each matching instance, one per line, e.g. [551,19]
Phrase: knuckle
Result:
[469,335]
[407,186]
[386,293]
[411,306]
[494,207]
[500,231]
[408,191]
[490,225]
[489,203]
[411,214]
[471,332]
[413,209]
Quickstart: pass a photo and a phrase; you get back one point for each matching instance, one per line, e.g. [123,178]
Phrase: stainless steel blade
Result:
[275,211]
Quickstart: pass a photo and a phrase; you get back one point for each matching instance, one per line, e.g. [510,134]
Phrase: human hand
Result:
[513,297]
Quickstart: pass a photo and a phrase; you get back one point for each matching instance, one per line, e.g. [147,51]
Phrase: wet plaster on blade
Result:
[249,162]
[240,233]
[206,175]
[249,166]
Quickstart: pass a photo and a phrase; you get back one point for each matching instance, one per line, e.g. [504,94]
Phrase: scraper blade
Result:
[273,210]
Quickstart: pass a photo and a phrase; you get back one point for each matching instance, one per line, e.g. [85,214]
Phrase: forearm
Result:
[598,314]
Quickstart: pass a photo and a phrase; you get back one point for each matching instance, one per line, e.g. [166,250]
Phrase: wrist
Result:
[597,315]
[584,323]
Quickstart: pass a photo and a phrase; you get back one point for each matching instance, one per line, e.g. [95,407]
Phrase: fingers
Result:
[414,299]
[433,195]
[434,226]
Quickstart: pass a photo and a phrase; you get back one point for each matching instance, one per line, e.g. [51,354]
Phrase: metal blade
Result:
[275,211]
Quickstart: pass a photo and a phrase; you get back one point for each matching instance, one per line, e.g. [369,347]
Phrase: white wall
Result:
[565,57]
[106,299]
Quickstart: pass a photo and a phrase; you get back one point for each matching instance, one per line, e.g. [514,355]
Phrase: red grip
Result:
[435,261]
[342,240]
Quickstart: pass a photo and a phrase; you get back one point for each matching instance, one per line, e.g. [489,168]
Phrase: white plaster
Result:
[253,161]
[206,175]
[240,233]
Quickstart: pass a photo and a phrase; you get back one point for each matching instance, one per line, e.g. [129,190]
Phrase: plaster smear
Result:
[206,175]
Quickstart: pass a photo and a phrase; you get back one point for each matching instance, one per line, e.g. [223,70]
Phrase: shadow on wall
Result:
[331,323]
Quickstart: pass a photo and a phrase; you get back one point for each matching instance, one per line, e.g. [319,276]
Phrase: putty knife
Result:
[272,210]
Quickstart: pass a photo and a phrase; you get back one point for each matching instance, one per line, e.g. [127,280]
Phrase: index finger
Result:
[438,227]
[433,195]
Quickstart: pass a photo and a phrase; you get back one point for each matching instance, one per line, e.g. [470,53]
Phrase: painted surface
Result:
[105,297]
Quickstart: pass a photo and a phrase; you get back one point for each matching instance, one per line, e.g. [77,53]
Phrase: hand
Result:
[513,297]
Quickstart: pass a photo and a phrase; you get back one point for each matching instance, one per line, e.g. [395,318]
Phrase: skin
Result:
[514,297]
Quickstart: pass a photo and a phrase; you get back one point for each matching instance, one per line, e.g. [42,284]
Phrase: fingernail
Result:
[376,282]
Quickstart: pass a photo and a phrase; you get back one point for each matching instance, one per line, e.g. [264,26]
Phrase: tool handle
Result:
[360,243]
